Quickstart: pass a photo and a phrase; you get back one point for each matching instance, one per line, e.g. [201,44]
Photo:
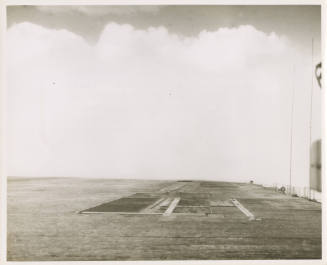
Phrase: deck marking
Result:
[172,206]
[243,209]
[153,205]
[157,202]
[165,202]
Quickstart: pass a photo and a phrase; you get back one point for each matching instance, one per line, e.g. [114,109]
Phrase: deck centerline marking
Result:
[172,206]
[243,209]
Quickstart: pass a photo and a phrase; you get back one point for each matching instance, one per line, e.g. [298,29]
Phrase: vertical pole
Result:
[291,136]
[310,121]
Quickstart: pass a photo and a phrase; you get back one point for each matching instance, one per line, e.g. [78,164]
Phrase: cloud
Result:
[148,103]
[98,11]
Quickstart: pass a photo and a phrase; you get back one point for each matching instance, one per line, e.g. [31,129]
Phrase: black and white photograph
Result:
[163,132]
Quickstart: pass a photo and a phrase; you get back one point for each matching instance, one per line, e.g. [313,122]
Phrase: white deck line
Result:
[156,203]
[166,202]
[243,209]
[171,207]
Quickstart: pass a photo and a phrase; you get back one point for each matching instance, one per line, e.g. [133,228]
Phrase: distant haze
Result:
[162,92]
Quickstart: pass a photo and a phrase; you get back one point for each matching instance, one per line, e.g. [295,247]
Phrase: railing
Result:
[304,192]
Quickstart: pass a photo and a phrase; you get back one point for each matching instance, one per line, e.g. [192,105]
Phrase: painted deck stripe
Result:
[243,209]
[156,203]
[165,202]
[171,207]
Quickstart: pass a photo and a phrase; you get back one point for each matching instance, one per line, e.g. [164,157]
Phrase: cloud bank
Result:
[98,11]
[149,104]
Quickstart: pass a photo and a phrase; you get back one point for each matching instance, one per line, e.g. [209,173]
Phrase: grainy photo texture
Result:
[188,132]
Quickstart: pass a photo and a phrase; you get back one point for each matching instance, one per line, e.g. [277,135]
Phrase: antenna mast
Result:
[310,121]
[291,140]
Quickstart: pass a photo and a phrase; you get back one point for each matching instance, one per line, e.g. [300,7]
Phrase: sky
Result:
[162,92]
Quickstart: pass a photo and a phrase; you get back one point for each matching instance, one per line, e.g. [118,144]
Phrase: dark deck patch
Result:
[197,210]
[194,195]
[194,202]
[127,204]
